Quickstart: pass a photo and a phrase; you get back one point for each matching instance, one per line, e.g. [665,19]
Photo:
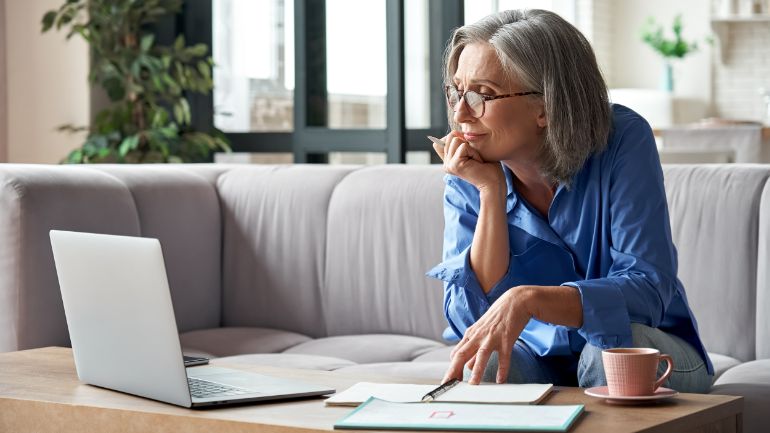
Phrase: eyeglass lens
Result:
[474,102]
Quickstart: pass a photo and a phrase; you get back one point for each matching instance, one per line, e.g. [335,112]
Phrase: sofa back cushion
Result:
[715,218]
[275,226]
[180,207]
[384,232]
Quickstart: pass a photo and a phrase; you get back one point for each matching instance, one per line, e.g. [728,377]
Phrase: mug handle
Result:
[669,369]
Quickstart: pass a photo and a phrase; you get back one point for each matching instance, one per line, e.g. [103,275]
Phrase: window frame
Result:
[310,141]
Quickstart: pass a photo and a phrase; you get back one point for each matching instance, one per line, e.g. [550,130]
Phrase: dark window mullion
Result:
[395,101]
[345,140]
[195,23]
[445,16]
[260,141]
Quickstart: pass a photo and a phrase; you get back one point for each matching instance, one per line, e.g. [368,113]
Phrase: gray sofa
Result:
[323,266]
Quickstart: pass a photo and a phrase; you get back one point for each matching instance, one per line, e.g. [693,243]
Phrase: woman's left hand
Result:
[496,331]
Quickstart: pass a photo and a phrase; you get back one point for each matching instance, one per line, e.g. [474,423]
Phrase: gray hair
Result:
[547,55]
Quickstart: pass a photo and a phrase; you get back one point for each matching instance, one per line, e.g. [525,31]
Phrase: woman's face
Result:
[510,128]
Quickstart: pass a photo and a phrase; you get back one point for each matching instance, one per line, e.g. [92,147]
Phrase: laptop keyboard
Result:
[204,389]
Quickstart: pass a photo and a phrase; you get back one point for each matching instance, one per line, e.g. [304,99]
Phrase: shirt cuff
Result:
[457,270]
[606,323]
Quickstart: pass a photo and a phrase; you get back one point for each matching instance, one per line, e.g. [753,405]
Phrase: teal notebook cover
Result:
[378,414]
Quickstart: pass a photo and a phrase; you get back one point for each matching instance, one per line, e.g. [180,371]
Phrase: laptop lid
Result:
[120,316]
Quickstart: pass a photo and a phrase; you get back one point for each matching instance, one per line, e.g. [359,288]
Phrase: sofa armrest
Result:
[33,200]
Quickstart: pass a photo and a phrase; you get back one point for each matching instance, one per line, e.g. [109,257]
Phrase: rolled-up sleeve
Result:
[464,300]
[641,280]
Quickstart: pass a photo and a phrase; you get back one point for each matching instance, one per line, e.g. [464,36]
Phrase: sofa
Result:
[323,267]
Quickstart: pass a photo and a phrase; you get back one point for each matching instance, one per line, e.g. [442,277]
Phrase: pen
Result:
[444,387]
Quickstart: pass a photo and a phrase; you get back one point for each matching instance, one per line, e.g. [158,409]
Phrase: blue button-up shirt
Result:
[608,235]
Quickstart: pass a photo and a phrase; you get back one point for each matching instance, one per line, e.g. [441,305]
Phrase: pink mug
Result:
[634,371]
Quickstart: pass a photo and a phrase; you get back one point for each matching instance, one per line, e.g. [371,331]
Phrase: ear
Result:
[542,119]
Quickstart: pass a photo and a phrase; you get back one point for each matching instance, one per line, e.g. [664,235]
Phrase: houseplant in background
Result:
[148,119]
[670,49]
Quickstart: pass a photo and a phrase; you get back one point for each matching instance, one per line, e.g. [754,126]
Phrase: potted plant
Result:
[148,119]
[677,48]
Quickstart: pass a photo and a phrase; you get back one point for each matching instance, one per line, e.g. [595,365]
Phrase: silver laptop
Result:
[123,331]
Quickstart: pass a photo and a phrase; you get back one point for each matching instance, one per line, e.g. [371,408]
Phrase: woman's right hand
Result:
[463,161]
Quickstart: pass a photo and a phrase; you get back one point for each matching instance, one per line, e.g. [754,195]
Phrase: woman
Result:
[557,239]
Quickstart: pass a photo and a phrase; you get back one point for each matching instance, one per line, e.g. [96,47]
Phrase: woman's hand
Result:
[500,327]
[463,161]
[496,331]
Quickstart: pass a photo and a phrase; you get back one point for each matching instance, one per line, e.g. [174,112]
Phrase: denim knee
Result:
[590,367]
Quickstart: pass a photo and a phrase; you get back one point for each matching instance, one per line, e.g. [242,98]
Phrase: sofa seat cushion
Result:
[288,360]
[239,341]
[756,372]
[442,354]
[752,381]
[368,348]
[433,371]
[722,363]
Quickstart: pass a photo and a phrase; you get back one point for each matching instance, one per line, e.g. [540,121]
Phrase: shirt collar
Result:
[510,196]
[524,217]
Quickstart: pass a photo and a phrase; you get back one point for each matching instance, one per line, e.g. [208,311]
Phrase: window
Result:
[253,49]
[356,62]
[312,78]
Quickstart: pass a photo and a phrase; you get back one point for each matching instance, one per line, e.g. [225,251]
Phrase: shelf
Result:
[721,27]
[741,19]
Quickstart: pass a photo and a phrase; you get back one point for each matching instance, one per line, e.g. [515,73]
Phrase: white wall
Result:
[636,65]
[745,69]
[46,84]
[3,106]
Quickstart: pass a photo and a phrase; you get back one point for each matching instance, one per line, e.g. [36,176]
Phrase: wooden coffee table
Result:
[40,392]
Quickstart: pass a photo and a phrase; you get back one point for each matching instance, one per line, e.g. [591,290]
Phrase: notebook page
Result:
[525,393]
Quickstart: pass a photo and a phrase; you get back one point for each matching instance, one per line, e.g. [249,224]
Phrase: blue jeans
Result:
[587,370]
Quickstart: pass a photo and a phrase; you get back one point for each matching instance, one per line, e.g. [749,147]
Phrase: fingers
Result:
[455,371]
[451,147]
[439,149]
[461,354]
[503,365]
[482,358]
[469,365]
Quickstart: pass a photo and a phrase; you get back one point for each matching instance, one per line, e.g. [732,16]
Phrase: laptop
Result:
[123,331]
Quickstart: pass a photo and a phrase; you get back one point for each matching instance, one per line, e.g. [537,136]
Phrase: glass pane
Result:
[253,48]
[417,64]
[356,63]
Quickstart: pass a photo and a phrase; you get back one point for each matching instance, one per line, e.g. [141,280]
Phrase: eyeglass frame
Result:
[484,99]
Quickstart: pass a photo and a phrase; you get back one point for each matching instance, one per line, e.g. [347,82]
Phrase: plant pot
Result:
[667,78]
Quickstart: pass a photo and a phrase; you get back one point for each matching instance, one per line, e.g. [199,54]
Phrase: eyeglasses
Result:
[475,101]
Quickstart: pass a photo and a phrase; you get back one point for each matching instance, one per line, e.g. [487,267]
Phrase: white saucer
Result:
[602,392]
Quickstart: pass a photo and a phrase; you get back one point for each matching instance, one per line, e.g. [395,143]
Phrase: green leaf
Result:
[146,42]
[204,69]
[179,43]
[128,144]
[114,88]
[157,82]
[178,113]
[159,117]
[48,20]
[186,111]
[198,50]
[75,157]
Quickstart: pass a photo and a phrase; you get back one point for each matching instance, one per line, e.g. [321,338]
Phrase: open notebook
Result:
[530,393]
